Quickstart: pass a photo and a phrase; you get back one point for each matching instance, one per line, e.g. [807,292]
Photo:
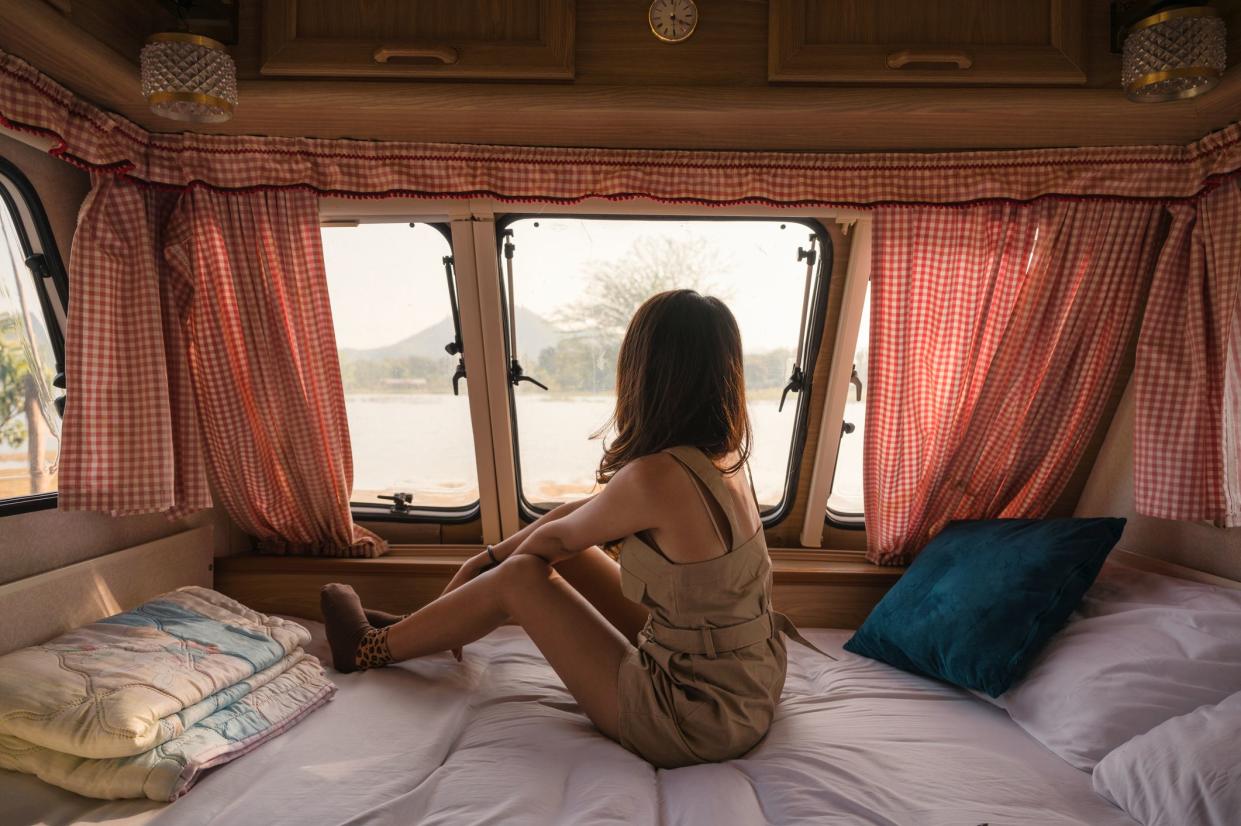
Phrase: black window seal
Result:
[844,521]
[13,175]
[823,276]
[422,514]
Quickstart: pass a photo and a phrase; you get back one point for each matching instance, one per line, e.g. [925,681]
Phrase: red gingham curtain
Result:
[130,440]
[1187,451]
[1187,440]
[262,358]
[997,333]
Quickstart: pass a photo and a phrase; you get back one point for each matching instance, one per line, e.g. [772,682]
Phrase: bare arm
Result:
[508,546]
[628,504]
[480,561]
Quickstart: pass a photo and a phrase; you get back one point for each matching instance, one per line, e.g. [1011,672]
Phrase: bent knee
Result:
[518,575]
[520,568]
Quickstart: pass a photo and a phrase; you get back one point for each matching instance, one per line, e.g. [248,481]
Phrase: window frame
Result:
[816,318]
[425,514]
[18,195]
[834,518]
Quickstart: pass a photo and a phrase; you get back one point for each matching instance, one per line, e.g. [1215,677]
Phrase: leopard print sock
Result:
[373,649]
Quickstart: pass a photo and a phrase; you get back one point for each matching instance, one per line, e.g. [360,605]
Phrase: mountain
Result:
[534,334]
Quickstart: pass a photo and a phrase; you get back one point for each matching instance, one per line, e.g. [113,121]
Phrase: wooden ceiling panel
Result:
[710,92]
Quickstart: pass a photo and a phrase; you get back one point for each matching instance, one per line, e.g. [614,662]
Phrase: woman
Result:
[675,653]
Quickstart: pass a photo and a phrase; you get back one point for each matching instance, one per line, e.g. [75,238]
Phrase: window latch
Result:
[796,384]
[516,375]
[856,381]
[59,402]
[400,500]
[454,347]
[798,380]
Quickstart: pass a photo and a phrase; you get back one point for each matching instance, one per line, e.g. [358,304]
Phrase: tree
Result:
[581,364]
[617,288]
[13,388]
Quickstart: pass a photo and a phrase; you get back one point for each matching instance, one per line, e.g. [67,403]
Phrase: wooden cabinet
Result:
[457,39]
[947,42]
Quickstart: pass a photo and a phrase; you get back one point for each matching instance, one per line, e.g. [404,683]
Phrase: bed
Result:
[497,739]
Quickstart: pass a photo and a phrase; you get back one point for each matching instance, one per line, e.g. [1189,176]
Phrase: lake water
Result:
[423,444]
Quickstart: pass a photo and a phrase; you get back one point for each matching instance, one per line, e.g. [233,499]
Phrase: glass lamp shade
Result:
[1178,53]
[188,77]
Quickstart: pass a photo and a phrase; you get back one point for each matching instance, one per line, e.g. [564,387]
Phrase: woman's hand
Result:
[468,570]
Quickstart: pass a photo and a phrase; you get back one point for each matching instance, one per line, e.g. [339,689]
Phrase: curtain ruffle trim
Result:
[107,143]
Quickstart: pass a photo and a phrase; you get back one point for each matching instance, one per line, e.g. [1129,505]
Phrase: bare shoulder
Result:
[654,475]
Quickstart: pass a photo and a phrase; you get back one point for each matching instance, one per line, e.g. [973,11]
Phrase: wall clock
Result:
[673,21]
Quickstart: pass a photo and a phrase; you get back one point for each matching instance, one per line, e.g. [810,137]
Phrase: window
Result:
[577,283]
[394,315]
[31,350]
[844,505]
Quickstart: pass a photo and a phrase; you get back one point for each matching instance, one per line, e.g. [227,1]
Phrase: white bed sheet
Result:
[497,739]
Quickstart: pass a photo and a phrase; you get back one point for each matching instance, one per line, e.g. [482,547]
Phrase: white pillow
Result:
[1183,772]
[1141,649]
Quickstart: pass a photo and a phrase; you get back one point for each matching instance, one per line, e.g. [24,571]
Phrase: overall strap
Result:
[697,463]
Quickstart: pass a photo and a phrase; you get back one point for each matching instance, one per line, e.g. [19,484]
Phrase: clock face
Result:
[673,20]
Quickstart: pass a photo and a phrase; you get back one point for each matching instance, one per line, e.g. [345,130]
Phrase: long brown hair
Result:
[680,380]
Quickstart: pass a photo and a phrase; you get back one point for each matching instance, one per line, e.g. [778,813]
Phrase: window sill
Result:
[788,565]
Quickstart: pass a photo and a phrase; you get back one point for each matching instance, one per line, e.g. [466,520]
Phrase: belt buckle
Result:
[708,643]
[645,636]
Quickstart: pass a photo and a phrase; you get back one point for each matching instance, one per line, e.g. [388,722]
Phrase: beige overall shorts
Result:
[704,681]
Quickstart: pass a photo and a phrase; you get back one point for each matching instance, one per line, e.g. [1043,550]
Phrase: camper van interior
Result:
[680,412]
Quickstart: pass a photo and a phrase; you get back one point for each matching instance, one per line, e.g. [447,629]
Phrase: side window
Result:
[577,283]
[394,314]
[844,505]
[31,349]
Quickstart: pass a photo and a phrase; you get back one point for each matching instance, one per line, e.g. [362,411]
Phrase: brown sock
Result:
[382,619]
[355,643]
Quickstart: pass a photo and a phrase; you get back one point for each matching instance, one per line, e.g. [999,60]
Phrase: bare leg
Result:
[597,577]
[580,644]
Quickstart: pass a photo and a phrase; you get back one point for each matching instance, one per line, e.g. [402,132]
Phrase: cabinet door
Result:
[947,42]
[477,39]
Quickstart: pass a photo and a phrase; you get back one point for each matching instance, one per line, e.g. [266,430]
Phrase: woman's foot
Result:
[355,643]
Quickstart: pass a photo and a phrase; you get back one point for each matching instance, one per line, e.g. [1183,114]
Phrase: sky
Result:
[760,277]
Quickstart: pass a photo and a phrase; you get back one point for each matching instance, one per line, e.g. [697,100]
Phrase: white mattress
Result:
[497,739]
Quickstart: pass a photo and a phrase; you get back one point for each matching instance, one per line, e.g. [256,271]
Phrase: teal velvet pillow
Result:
[983,598]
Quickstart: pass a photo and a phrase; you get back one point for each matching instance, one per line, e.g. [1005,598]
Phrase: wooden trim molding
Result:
[820,589]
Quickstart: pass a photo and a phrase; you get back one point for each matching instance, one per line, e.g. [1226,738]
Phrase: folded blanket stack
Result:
[139,704]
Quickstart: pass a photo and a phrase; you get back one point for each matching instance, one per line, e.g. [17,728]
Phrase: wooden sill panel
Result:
[821,589]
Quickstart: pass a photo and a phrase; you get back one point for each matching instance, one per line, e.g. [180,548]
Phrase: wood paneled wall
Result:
[629,90]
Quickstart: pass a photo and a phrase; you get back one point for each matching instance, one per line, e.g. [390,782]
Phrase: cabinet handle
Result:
[444,54]
[901,59]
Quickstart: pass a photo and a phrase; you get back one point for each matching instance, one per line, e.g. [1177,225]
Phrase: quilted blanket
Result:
[258,711]
[126,684]
[139,704]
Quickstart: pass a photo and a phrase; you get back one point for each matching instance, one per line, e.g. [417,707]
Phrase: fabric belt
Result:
[712,641]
